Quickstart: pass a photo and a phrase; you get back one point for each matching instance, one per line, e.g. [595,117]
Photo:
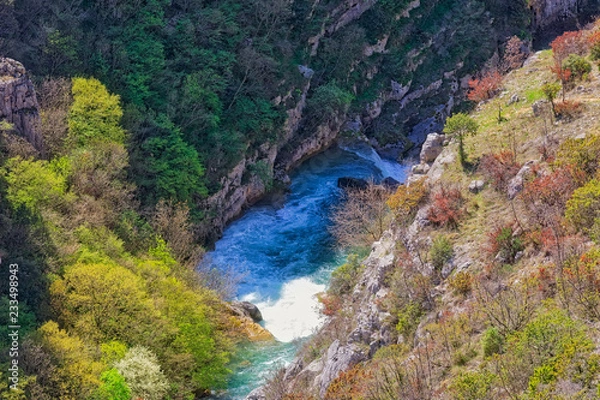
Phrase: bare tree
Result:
[362,217]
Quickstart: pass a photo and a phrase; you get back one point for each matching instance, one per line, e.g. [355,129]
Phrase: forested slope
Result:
[159,121]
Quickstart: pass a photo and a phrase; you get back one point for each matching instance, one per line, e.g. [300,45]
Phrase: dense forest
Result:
[146,107]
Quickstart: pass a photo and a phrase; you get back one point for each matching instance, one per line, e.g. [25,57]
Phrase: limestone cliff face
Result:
[18,102]
[546,12]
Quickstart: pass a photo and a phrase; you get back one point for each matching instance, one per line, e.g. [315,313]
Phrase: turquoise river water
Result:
[286,256]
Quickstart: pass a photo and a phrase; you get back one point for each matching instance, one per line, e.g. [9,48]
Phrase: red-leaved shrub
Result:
[446,207]
[484,88]
[499,168]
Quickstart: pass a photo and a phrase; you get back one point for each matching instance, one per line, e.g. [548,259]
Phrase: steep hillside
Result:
[252,89]
[486,284]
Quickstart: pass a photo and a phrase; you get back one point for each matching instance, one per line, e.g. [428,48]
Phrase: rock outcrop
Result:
[371,328]
[546,12]
[18,102]
[248,316]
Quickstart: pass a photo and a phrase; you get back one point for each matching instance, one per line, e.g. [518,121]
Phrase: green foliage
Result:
[492,341]
[408,319]
[472,385]
[104,302]
[550,347]
[461,283]
[95,115]
[344,278]
[174,168]
[505,243]
[34,185]
[262,170]
[112,351]
[459,126]
[441,252]
[27,320]
[328,101]
[113,387]
[582,154]
[551,90]
[77,373]
[578,66]
[583,208]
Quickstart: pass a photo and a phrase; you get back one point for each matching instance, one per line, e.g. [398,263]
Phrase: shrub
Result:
[348,384]
[583,155]
[503,243]
[441,252]
[500,168]
[583,208]
[446,207]
[405,202]
[461,283]
[408,319]
[568,109]
[484,88]
[578,66]
[331,304]
[580,284]
[513,56]
[362,218]
[344,277]
[594,45]
[492,341]
[329,100]
[547,195]
[472,385]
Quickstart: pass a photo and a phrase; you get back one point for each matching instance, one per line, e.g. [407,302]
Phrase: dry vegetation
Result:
[497,294]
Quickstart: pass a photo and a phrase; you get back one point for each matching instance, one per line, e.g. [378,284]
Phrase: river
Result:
[286,256]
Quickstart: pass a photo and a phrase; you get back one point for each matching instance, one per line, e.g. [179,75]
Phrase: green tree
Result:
[113,387]
[174,168]
[95,115]
[551,90]
[328,101]
[35,185]
[77,373]
[459,126]
[104,302]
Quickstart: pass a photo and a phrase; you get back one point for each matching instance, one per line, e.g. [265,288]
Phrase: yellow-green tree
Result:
[95,115]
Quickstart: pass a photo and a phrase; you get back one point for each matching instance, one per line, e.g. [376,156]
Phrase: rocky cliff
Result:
[18,103]
[412,70]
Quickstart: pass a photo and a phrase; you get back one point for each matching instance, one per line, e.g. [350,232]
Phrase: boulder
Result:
[420,169]
[516,184]
[433,146]
[476,186]
[513,99]
[305,71]
[248,309]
